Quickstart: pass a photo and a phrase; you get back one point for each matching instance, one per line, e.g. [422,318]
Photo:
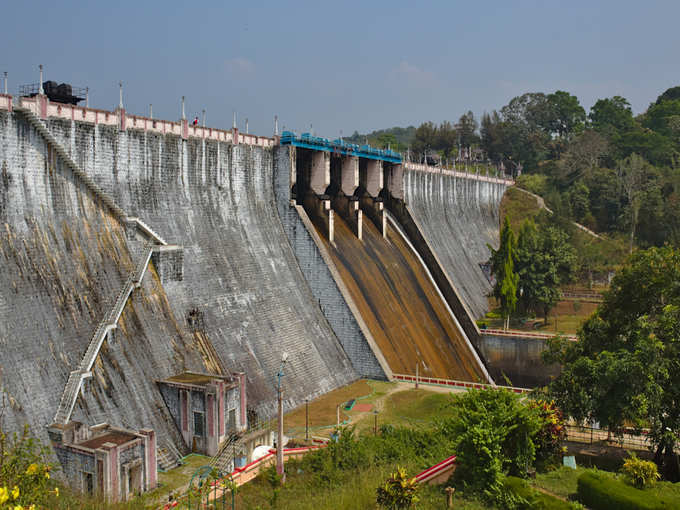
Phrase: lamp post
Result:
[279,441]
[375,422]
[307,419]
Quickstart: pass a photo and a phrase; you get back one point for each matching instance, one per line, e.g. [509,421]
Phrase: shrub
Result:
[641,473]
[399,491]
[599,491]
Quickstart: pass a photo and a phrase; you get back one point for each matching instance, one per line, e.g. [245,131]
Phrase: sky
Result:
[342,66]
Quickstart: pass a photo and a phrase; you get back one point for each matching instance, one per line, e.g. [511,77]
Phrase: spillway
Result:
[459,217]
[406,315]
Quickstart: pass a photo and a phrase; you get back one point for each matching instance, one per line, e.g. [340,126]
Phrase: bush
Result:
[398,492]
[603,492]
[641,473]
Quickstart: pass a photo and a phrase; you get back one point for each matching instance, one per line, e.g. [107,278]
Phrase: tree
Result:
[632,172]
[495,433]
[612,115]
[625,368]
[467,130]
[545,260]
[585,153]
[503,268]
[567,115]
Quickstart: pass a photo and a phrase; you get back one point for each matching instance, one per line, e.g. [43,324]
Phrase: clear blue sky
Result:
[343,65]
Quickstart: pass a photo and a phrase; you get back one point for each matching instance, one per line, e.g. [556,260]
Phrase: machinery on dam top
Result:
[339,146]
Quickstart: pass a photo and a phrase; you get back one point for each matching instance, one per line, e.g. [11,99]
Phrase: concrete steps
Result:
[74,383]
[224,460]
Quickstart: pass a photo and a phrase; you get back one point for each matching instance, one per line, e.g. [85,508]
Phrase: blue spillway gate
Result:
[339,146]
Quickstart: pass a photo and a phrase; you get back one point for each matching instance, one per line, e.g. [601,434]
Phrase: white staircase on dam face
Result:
[109,321]
[75,380]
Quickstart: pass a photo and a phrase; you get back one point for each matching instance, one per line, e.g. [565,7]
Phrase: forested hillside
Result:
[616,173]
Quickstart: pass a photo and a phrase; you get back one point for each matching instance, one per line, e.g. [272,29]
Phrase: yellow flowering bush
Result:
[25,481]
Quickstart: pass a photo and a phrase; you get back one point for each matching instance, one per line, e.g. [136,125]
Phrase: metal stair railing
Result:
[93,187]
[70,394]
[86,179]
[225,454]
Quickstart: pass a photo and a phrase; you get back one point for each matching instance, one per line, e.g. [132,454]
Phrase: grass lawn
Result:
[408,407]
[570,315]
[322,411]
[355,491]
[395,406]
[518,206]
[561,482]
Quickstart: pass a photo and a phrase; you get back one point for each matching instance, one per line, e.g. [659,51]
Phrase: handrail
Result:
[525,334]
[436,381]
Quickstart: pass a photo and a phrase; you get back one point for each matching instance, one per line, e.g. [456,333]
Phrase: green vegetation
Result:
[529,271]
[495,434]
[530,498]
[602,491]
[641,473]
[503,267]
[625,370]
[398,492]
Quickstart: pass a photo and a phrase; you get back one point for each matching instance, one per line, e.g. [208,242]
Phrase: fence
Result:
[591,435]
[453,384]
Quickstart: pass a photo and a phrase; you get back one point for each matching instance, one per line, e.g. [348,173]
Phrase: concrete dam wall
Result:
[458,216]
[257,267]
[241,303]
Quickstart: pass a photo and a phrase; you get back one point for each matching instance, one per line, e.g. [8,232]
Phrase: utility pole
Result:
[337,413]
[279,441]
[417,366]
[375,422]
[306,419]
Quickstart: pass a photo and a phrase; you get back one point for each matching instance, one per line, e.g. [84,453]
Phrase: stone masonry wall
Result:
[240,275]
[64,259]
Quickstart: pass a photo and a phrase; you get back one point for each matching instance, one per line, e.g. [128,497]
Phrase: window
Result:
[199,424]
[88,482]
[232,419]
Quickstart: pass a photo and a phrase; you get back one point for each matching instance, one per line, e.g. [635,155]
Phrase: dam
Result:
[136,251]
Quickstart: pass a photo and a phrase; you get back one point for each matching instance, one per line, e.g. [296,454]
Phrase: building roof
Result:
[116,437]
[195,379]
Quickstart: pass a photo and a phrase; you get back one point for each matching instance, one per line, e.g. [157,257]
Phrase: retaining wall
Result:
[517,358]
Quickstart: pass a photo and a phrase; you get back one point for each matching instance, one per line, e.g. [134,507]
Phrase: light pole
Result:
[307,419]
[279,441]
[375,422]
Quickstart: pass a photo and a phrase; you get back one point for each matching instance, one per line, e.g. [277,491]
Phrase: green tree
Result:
[494,434]
[545,260]
[503,268]
[625,367]
[611,116]
[568,116]
[632,173]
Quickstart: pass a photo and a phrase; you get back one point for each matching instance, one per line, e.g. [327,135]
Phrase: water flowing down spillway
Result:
[401,306]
